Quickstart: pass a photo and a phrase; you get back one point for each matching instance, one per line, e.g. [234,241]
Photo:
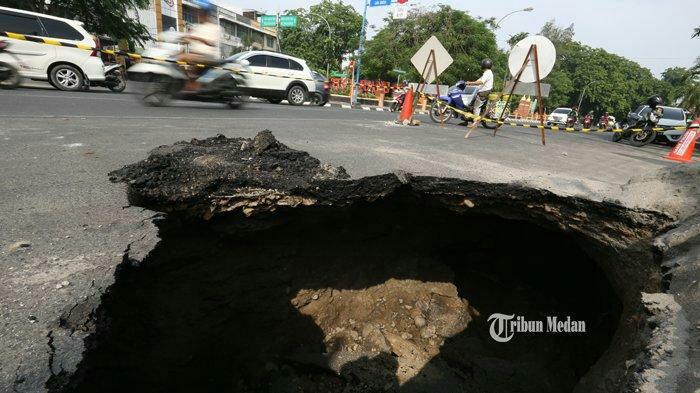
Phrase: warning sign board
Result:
[422,60]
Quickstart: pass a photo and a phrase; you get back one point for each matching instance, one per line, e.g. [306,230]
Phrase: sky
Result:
[655,34]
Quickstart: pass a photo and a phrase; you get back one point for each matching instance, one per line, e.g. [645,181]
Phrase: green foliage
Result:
[517,37]
[467,39]
[101,17]
[310,40]
[615,84]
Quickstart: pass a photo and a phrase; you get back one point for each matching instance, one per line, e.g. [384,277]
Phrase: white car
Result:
[276,76]
[65,68]
[558,117]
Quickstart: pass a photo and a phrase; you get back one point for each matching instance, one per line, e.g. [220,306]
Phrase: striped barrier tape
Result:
[135,56]
[553,128]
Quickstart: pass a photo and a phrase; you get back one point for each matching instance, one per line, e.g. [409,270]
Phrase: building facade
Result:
[240,29]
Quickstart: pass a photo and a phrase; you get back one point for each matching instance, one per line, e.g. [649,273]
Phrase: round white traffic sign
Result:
[546,56]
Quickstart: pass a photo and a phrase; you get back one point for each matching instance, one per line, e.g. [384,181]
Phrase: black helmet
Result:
[486,64]
[655,101]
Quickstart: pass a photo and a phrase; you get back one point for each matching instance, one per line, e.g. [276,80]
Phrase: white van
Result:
[65,68]
[276,77]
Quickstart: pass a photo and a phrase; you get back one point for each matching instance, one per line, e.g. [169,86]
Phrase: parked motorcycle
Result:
[115,79]
[461,97]
[571,120]
[9,71]
[399,95]
[165,80]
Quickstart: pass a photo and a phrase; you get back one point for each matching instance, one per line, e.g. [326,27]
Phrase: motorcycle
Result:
[461,97]
[9,73]
[398,95]
[603,123]
[645,121]
[114,78]
[588,120]
[165,81]
[571,120]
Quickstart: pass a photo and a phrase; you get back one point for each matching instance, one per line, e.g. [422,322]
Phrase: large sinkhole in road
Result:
[383,296]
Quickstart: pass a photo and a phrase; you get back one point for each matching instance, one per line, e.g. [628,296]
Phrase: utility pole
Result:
[361,50]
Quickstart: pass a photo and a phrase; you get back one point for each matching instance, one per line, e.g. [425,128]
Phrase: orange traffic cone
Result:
[683,151]
[407,108]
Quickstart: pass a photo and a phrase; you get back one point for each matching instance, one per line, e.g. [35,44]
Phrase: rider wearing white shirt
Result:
[486,85]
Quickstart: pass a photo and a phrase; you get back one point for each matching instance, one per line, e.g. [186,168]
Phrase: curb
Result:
[342,105]
[357,107]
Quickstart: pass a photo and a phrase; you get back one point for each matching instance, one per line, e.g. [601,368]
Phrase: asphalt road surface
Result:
[56,149]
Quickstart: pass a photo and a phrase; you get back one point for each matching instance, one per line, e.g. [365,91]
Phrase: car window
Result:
[317,76]
[277,62]
[295,66]
[235,57]
[673,114]
[560,110]
[22,24]
[258,60]
[62,30]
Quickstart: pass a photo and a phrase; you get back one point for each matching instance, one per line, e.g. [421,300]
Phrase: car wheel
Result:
[67,78]
[296,95]
[274,100]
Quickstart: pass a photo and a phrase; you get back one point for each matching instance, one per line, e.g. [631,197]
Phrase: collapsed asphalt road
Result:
[56,197]
[258,282]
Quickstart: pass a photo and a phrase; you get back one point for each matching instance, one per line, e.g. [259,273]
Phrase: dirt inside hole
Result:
[392,295]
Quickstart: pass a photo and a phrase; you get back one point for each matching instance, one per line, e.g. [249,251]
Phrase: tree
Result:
[467,39]
[675,80]
[611,82]
[557,34]
[517,37]
[691,92]
[310,40]
[101,17]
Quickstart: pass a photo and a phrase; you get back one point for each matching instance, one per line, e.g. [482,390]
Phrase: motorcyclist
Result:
[573,115]
[657,111]
[486,85]
[203,38]
[603,122]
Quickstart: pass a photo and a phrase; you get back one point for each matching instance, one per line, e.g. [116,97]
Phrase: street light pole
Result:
[580,99]
[361,49]
[528,9]
[498,24]
[328,60]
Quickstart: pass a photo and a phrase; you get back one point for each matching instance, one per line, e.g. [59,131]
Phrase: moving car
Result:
[276,76]
[558,117]
[672,117]
[65,68]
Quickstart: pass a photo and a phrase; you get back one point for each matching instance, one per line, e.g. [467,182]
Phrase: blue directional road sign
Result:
[379,3]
